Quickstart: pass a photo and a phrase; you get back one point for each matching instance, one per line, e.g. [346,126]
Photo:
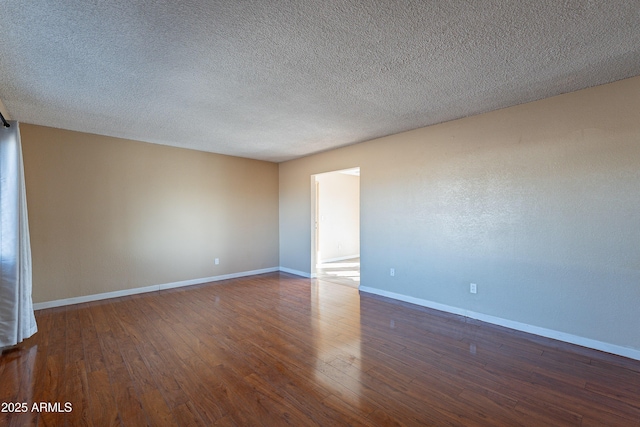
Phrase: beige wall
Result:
[109,214]
[538,204]
[339,216]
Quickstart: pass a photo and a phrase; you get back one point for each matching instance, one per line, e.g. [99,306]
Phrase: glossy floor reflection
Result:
[276,349]
[336,333]
[346,272]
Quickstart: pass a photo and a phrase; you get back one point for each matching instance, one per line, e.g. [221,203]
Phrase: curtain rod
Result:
[4,121]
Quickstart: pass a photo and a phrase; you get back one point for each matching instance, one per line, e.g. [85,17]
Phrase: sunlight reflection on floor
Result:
[338,265]
[352,273]
[346,272]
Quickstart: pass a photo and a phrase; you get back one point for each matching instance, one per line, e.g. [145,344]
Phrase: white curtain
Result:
[17,320]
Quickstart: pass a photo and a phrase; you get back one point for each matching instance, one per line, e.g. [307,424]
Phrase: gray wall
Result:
[538,204]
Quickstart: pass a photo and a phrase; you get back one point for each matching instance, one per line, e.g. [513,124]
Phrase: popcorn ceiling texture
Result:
[276,80]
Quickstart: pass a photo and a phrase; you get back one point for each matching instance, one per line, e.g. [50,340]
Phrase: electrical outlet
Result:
[392,272]
[473,288]
[217,261]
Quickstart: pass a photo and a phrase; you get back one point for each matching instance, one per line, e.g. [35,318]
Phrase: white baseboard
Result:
[152,288]
[217,278]
[340,258]
[296,272]
[93,297]
[536,330]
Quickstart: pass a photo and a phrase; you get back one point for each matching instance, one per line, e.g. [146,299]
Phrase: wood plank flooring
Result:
[276,350]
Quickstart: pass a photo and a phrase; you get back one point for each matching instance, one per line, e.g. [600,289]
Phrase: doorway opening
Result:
[335,234]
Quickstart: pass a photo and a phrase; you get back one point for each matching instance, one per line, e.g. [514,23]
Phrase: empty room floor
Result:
[277,349]
[345,272]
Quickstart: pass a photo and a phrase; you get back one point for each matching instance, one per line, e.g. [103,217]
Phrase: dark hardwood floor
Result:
[280,350]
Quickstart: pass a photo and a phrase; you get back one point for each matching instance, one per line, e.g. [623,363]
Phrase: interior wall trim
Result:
[152,288]
[631,353]
[297,272]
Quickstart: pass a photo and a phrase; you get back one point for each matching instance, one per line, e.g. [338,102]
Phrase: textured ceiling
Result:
[276,80]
